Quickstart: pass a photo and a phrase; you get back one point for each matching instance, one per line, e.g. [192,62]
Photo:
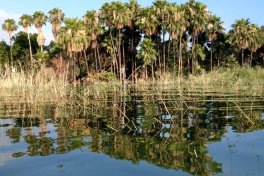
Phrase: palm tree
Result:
[177,25]
[214,27]
[148,24]
[93,29]
[148,53]
[10,26]
[39,20]
[114,16]
[147,21]
[255,40]
[56,17]
[73,39]
[160,9]
[197,14]
[239,36]
[26,21]
[132,16]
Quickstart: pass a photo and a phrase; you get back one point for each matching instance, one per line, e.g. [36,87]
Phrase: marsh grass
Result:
[34,86]
[44,86]
[244,80]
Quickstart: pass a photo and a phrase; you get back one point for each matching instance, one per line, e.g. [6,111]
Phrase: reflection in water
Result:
[167,130]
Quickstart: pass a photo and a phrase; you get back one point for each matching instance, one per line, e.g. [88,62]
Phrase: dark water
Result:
[167,133]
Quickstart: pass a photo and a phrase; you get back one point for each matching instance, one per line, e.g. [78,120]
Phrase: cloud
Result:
[5,157]
[3,16]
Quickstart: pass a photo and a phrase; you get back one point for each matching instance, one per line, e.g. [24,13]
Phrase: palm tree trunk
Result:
[242,62]
[174,57]
[11,53]
[124,60]
[251,58]
[168,53]
[146,72]
[95,58]
[160,66]
[132,56]
[86,61]
[119,55]
[30,50]
[211,58]
[193,54]
[73,65]
[180,57]
[152,71]
[99,58]
[79,65]
[163,51]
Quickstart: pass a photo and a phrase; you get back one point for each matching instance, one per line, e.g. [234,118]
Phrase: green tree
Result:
[255,40]
[93,29]
[4,53]
[214,27]
[10,26]
[114,16]
[73,39]
[239,36]
[160,9]
[21,47]
[197,14]
[177,25]
[148,53]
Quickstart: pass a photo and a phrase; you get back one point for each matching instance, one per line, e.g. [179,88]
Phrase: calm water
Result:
[168,133]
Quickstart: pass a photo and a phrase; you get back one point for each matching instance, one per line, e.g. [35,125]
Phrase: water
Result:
[167,133]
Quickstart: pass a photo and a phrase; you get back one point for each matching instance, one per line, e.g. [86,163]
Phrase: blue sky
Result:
[228,10]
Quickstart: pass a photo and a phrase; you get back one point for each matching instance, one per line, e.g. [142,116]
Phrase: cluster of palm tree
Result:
[246,35]
[129,40]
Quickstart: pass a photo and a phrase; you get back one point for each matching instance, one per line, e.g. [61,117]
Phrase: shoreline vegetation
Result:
[44,86]
[123,47]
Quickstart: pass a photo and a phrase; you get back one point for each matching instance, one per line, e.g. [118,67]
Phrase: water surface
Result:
[141,133]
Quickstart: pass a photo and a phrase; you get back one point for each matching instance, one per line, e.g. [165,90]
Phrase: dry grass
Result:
[40,86]
[43,86]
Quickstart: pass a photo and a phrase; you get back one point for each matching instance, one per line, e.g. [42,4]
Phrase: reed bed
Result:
[44,86]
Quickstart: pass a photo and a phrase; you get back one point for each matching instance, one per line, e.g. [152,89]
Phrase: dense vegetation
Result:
[128,41]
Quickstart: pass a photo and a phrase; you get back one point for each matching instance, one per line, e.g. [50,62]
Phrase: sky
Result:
[228,10]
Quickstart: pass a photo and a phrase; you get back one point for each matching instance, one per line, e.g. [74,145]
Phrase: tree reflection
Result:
[166,130]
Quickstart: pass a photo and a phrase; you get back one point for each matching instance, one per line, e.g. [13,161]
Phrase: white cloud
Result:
[3,16]
[5,157]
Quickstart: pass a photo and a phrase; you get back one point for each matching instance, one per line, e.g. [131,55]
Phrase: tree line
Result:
[131,41]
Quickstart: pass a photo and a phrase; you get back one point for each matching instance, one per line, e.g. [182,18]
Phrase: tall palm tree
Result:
[26,21]
[160,9]
[114,16]
[93,29]
[10,26]
[132,16]
[39,20]
[73,39]
[147,21]
[197,14]
[56,17]
[255,40]
[148,53]
[214,27]
[239,36]
[177,25]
